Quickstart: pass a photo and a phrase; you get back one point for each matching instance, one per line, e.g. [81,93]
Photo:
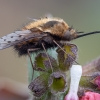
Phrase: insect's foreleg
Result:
[28,51]
[47,56]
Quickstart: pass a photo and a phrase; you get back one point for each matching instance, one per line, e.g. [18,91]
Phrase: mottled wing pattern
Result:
[14,38]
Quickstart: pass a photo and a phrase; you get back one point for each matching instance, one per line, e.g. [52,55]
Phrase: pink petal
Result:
[71,96]
[91,96]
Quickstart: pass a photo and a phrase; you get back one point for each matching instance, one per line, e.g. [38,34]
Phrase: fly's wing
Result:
[17,37]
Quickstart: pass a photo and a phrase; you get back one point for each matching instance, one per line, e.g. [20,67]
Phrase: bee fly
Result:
[41,34]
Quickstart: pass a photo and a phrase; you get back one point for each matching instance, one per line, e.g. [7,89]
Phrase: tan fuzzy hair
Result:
[58,29]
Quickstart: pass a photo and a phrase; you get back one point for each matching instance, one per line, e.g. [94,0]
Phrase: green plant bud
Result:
[66,59]
[96,80]
[57,82]
[71,50]
[91,82]
[42,62]
[39,85]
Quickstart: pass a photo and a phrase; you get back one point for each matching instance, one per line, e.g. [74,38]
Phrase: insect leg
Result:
[63,50]
[30,50]
[47,56]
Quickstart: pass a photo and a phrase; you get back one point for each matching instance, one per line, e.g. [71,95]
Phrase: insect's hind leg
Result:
[28,51]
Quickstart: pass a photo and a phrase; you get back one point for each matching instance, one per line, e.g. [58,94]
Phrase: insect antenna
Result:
[47,56]
[64,51]
[30,50]
[90,33]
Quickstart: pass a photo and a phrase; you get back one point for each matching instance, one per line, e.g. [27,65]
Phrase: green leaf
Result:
[42,63]
[39,62]
[39,85]
[90,82]
[67,59]
[57,82]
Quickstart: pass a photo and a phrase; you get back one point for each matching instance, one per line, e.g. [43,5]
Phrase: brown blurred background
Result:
[82,15]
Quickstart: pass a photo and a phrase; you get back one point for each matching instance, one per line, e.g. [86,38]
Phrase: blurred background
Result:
[82,15]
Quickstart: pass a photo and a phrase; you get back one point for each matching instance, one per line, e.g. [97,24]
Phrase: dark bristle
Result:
[20,35]
[9,41]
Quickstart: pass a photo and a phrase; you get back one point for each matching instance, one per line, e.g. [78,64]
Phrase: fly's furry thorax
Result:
[55,26]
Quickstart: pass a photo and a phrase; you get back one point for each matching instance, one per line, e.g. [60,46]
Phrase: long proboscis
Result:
[90,33]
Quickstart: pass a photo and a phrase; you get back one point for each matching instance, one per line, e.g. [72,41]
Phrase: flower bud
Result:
[39,85]
[42,62]
[57,82]
[67,59]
